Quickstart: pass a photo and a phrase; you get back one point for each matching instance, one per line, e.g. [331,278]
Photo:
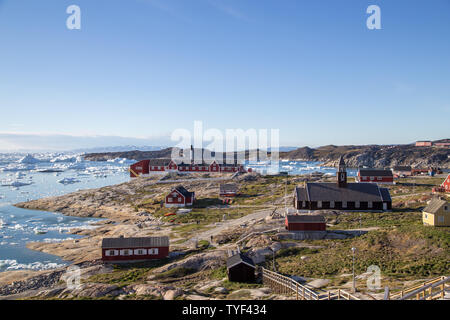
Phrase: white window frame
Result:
[111,253]
[143,252]
[126,252]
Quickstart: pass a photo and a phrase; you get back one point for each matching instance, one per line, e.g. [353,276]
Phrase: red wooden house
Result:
[134,249]
[179,197]
[295,222]
[375,176]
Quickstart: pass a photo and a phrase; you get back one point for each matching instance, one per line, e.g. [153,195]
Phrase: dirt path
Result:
[206,235]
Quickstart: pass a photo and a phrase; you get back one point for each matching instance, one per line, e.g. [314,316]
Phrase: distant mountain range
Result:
[373,156]
[118,149]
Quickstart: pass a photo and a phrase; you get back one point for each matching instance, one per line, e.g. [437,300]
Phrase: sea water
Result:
[19,226]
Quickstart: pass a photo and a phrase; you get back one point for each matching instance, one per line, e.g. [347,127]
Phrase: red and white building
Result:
[145,167]
[297,222]
[424,144]
[375,176]
[134,249]
[444,187]
[179,197]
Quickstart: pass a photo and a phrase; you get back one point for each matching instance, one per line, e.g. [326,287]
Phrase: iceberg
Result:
[29,159]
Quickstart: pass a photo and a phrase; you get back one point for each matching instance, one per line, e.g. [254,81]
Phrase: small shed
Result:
[305,222]
[134,249]
[241,268]
[228,190]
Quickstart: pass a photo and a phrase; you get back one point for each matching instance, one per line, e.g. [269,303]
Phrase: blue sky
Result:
[138,69]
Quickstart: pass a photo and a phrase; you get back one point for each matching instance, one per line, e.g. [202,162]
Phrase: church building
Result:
[341,195]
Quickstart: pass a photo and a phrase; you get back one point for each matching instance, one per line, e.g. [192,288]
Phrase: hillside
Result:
[376,156]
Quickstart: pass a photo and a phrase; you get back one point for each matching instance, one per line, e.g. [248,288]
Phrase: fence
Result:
[284,285]
[430,290]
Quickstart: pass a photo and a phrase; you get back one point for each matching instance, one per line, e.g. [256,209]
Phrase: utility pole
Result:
[354,281]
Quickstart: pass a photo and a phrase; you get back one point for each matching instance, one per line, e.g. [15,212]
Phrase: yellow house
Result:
[437,213]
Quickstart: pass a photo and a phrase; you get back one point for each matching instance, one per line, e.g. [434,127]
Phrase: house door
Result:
[384,206]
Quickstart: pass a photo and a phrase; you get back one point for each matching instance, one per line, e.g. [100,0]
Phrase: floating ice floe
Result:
[68,180]
[12,183]
[10,264]
[29,159]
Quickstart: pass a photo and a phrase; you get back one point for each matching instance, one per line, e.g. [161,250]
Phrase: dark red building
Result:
[375,176]
[305,222]
[179,197]
[134,249]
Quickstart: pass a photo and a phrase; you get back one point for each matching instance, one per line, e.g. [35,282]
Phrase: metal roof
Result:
[183,191]
[239,258]
[375,173]
[302,218]
[434,205]
[330,191]
[142,242]
[159,162]
[228,187]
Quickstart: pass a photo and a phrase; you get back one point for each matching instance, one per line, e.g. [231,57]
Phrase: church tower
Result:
[342,174]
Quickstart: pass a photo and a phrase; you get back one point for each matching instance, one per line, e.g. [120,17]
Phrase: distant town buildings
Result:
[437,213]
[134,249]
[179,197]
[440,144]
[342,195]
[375,176]
[401,171]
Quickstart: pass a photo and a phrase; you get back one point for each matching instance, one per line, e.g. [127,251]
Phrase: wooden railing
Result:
[429,290]
[284,285]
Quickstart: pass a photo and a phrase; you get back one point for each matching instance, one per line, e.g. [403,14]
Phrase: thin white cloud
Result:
[228,10]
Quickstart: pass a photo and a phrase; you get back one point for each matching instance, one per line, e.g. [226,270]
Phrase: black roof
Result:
[330,191]
[385,195]
[159,162]
[375,172]
[292,218]
[183,191]
[142,242]
[402,168]
[239,258]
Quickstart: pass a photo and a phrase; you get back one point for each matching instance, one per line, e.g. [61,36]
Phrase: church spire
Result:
[342,173]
